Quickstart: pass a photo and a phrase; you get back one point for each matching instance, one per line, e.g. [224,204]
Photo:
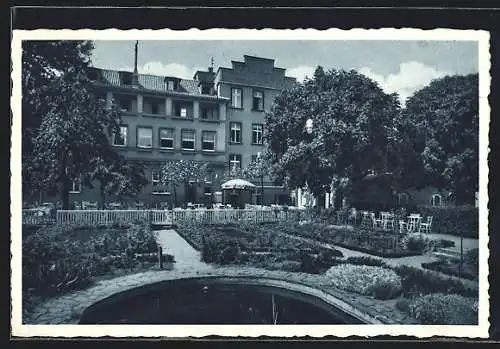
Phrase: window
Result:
[120,139]
[258,100]
[207,191]
[234,161]
[236,98]
[170,85]
[209,113]
[254,158]
[76,186]
[235,128]
[144,137]
[167,138]
[155,177]
[183,112]
[188,139]
[436,200]
[257,133]
[208,140]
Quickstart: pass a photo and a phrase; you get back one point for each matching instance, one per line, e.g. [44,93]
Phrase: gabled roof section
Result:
[255,71]
[150,83]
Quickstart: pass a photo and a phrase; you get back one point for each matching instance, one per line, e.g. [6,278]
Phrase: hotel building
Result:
[218,117]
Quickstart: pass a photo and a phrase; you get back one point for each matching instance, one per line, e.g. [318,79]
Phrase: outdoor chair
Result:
[387,219]
[414,223]
[426,226]
[403,227]
[378,222]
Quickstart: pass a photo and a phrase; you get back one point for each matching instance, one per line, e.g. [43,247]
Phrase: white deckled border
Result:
[178,331]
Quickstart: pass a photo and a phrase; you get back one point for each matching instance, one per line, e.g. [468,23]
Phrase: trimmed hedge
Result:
[417,282]
[453,220]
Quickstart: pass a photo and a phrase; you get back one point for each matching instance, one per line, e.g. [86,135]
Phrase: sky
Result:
[402,67]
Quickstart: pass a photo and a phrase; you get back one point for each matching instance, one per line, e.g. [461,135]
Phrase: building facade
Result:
[217,118]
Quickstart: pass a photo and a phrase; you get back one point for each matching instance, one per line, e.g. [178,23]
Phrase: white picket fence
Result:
[171,217]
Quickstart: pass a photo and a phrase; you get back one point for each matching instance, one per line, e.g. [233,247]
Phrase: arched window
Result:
[436,200]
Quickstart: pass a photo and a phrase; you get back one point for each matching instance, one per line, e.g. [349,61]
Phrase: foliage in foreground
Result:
[56,259]
[444,309]
[379,282]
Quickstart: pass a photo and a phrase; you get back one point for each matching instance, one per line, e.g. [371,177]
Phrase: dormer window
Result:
[170,84]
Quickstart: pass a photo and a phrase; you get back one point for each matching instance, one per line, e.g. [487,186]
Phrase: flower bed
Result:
[379,282]
[375,242]
[257,245]
[453,268]
[57,259]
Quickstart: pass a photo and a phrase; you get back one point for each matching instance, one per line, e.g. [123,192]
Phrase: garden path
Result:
[185,255]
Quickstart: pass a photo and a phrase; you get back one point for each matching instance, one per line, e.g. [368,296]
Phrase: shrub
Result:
[364,260]
[220,251]
[440,243]
[403,304]
[454,220]
[59,258]
[381,283]
[444,309]
[416,281]
[415,242]
[472,257]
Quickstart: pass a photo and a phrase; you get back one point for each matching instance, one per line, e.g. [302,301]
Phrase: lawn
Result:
[57,259]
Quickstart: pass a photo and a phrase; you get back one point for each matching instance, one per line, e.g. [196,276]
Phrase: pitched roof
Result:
[151,83]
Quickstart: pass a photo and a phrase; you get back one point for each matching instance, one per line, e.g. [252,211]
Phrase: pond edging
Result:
[67,309]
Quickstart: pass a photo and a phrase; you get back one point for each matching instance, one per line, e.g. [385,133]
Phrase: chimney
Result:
[211,68]
[135,78]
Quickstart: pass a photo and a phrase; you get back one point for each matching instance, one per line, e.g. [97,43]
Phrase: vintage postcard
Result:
[305,182]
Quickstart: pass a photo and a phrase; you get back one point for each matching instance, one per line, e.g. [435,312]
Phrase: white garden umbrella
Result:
[237,184]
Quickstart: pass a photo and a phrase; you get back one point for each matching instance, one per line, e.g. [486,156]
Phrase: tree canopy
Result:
[445,117]
[352,130]
[69,126]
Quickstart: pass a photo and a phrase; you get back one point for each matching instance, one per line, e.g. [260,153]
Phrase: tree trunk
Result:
[174,204]
[65,193]
[102,195]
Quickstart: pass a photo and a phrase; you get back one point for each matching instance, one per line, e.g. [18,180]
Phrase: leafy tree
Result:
[75,125]
[175,172]
[116,177]
[445,115]
[42,63]
[352,131]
